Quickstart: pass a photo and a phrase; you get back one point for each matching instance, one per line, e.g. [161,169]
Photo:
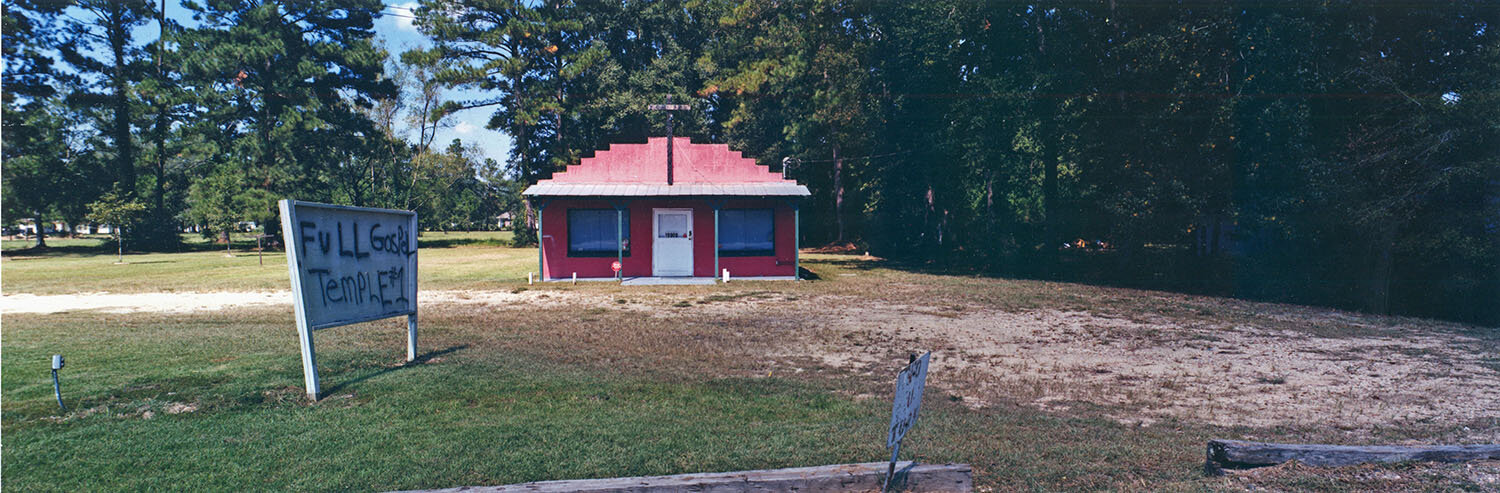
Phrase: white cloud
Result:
[401,15]
[465,128]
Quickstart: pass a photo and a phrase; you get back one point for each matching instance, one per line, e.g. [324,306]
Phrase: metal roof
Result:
[768,189]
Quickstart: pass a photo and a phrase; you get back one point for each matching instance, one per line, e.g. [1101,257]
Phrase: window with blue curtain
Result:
[747,233]
[591,232]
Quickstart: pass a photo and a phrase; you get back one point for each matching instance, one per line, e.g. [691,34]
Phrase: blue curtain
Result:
[592,231]
[747,232]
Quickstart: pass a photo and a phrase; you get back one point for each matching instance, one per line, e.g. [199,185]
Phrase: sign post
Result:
[349,265]
[908,401]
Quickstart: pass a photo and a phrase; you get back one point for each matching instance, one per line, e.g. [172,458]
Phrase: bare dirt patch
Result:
[1217,374]
[179,408]
[1344,371]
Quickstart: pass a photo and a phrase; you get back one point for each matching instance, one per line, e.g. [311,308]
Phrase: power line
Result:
[855,158]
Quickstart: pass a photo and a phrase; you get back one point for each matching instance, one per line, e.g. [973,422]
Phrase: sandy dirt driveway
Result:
[189,302]
[1139,370]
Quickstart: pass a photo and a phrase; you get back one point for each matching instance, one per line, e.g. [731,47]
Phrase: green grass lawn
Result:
[447,260]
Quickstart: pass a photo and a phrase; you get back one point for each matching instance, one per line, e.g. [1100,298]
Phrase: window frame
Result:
[719,244]
[597,253]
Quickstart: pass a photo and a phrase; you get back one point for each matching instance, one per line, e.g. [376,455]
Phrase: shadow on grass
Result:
[421,358]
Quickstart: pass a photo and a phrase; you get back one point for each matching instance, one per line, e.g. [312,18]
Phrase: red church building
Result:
[694,212]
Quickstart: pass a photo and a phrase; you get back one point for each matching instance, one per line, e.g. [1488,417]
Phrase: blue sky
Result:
[398,34]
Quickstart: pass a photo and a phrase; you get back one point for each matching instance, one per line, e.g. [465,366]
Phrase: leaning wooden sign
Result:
[904,408]
[349,265]
[908,401]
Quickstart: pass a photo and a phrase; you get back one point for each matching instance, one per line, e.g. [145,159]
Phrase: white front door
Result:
[672,247]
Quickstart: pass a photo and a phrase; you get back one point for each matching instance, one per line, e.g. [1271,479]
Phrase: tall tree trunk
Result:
[989,198]
[158,201]
[561,99]
[1049,197]
[1047,140]
[272,102]
[120,127]
[928,209]
[1377,290]
[838,190]
[41,232]
[529,218]
[530,172]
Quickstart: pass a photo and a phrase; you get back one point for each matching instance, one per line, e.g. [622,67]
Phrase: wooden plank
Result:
[842,477]
[1236,454]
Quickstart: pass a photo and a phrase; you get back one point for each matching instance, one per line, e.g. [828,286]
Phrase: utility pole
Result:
[669,108]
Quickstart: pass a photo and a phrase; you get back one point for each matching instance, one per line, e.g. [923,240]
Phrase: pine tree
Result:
[101,45]
[282,81]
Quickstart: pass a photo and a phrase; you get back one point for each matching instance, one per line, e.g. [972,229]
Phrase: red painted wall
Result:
[558,265]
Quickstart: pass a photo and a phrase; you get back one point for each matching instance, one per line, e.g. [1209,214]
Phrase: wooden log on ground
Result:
[863,477]
[1236,454]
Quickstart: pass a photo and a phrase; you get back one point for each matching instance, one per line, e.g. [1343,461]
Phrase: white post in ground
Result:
[575,278]
[304,331]
[528,278]
[726,276]
[309,362]
[411,337]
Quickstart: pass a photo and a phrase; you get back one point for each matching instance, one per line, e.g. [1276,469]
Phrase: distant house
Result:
[502,221]
[27,226]
[706,209]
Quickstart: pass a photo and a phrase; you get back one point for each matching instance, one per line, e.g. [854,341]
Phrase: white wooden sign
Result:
[908,401]
[349,265]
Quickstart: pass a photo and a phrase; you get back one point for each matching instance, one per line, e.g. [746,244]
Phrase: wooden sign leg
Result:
[309,361]
[411,337]
[890,472]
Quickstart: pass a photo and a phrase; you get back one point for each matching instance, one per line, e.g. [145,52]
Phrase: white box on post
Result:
[349,265]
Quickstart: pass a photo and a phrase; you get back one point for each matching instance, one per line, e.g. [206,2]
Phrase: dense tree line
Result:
[1340,153]
[210,123]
